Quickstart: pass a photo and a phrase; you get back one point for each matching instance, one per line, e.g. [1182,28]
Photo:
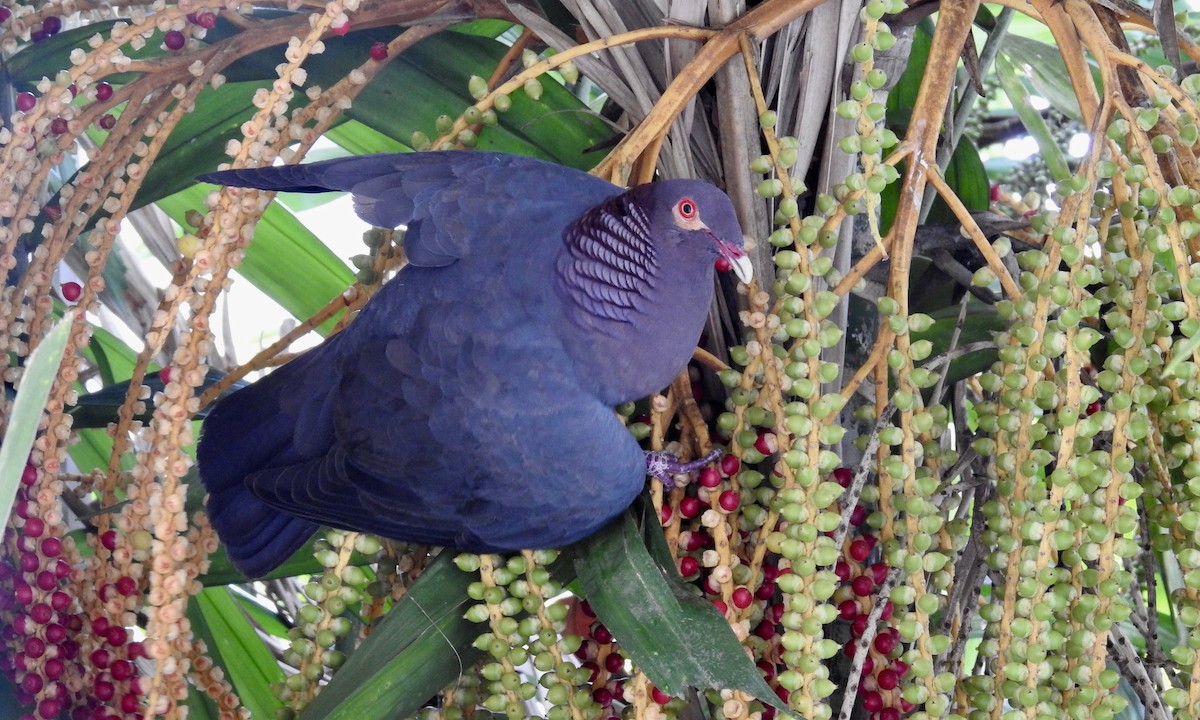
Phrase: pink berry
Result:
[29,475]
[742,598]
[848,609]
[174,40]
[720,606]
[51,547]
[766,443]
[659,696]
[35,647]
[878,571]
[109,541]
[34,527]
[32,683]
[688,566]
[858,515]
[340,29]
[204,19]
[379,51]
[46,580]
[58,126]
[729,501]
[26,101]
[71,291]
[60,601]
[730,465]
[842,570]
[41,614]
[709,477]
[664,515]
[126,585]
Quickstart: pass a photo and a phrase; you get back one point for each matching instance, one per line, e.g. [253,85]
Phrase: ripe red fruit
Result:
[878,571]
[884,643]
[602,696]
[842,570]
[664,515]
[35,647]
[1092,408]
[688,566]
[51,547]
[848,609]
[174,40]
[860,550]
[107,121]
[340,29]
[29,475]
[58,126]
[862,585]
[729,501]
[887,679]
[843,475]
[765,630]
[206,20]
[109,541]
[34,527]
[872,701]
[601,634]
[766,591]
[614,663]
[720,606]
[691,507]
[379,51]
[889,713]
[104,91]
[122,670]
[26,101]
[766,443]
[41,614]
[723,265]
[103,690]
[659,696]
[858,515]
[742,598]
[709,477]
[730,465]
[71,291]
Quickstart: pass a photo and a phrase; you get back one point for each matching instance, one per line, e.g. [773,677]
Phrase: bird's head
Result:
[700,218]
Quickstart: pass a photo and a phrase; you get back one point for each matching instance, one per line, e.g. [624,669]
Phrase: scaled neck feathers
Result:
[609,263]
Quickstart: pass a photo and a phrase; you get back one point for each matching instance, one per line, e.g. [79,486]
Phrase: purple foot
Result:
[664,465]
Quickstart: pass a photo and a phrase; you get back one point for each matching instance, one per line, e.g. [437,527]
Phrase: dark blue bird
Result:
[470,404]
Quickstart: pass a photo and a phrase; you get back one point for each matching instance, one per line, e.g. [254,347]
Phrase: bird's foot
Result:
[664,466]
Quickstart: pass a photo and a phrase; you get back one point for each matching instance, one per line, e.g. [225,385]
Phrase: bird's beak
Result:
[738,262]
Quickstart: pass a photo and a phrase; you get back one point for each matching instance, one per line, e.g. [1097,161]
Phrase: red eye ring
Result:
[686,208]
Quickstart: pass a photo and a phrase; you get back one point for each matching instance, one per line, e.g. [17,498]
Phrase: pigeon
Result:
[470,402]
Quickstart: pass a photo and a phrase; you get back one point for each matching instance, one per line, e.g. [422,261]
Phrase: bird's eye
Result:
[686,209]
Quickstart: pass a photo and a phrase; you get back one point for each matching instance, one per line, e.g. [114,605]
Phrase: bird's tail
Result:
[244,433]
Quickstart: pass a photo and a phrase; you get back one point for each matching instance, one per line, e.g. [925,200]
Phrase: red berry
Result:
[26,101]
[58,126]
[888,610]
[29,475]
[842,570]
[61,569]
[720,606]
[1092,408]
[848,609]
[900,667]
[117,636]
[204,19]
[766,591]
[107,121]
[994,192]
[71,291]
[174,40]
[709,477]
[122,670]
[601,634]
[100,658]
[765,630]
[53,668]
[130,703]
[379,51]
[46,580]
[586,607]
[858,515]
[688,566]
[614,663]
[23,593]
[766,443]
[41,614]
[109,540]
[136,650]
[872,701]
[664,515]
[51,547]
[35,647]
[857,628]
[729,501]
[32,683]
[103,690]
[49,708]
[691,507]
[884,643]
[887,679]
[126,585]
[56,633]
[844,476]
[742,598]
[730,465]
[60,600]
[878,571]
[906,706]
[659,696]
[860,550]
[34,527]
[340,29]
[888,713]
[862,585]
[29,562]
[723,265]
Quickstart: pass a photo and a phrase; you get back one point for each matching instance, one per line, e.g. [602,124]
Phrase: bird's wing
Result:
[446,199]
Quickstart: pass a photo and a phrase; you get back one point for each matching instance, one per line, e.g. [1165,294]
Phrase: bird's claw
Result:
[664,466]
